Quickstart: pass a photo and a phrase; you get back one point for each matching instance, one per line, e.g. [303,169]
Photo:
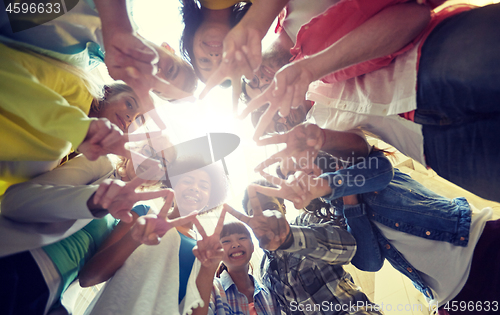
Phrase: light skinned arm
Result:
[242,48]
[383,34]
[371,174]
[305,140]
[209,252]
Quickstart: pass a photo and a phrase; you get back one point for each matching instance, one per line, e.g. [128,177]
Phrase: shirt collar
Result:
[227,282]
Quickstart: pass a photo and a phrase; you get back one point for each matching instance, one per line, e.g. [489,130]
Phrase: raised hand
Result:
[131,59]
[119,197]
[287,91]
[270,226]
[150,228]
[209,250]
[302,144]
[103,138]
[300,188]
[241,57]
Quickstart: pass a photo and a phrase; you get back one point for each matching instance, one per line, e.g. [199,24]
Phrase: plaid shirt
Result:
[308,277]
[227,300]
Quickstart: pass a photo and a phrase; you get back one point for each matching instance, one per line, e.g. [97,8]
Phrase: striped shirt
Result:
[308,277]
[227,300]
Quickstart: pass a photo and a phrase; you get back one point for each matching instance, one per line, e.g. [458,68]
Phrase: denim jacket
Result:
[394,199]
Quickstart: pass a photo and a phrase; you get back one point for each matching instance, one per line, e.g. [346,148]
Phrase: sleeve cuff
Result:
[303,238]
[352,211]
[331,196]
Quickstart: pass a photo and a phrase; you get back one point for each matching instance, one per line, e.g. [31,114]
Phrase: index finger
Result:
[166,88]
[145,176]
[215,79]
[238,215]
[136,137]
[265,120]
[200,228]
[275,158]
[270,191]
[254,200]
[255,103]
[220,223]
[167,205]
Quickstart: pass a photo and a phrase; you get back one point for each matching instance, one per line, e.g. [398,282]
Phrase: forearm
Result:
[344,145]
[383,34]
[323,241]
[29,202]
[204,282]
[114,16]
[368,256]
[106,262]
[262,13]
[373,173]
[58,195]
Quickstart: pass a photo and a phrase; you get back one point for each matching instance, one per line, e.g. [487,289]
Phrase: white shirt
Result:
[444,267]
[372,102]
[301,12]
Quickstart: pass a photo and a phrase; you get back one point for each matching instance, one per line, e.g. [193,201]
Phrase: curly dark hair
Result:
[192,17]
[219,186]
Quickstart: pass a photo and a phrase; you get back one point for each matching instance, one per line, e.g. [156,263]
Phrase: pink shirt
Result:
[372,95]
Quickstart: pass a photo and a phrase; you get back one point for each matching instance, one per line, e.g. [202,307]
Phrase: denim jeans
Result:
[458,100]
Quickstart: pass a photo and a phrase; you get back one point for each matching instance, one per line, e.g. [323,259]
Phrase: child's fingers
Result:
[149,195]
[220,222]
[169,197]
[254,200]
[286,102]
[265,120]
[101,191]
[255,104]
[150,174]
[215,79]
[114,136]
[98,130]
[275,158]
[238,215]
[183,220]
[200,228]
[113,190]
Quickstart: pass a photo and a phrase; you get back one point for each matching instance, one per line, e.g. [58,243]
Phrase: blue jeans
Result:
[458,100]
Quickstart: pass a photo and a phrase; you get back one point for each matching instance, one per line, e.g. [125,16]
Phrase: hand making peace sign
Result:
[269,226]
[150,228]
[119,197]
[209,249]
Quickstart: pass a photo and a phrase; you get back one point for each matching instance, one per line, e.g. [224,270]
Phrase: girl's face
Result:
[207,48]
[238,249]
[121,110]
[192,191]
[174,70]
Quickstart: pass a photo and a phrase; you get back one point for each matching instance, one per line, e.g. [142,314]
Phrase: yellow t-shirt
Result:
[43,108]
[43,111]
[219,4]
